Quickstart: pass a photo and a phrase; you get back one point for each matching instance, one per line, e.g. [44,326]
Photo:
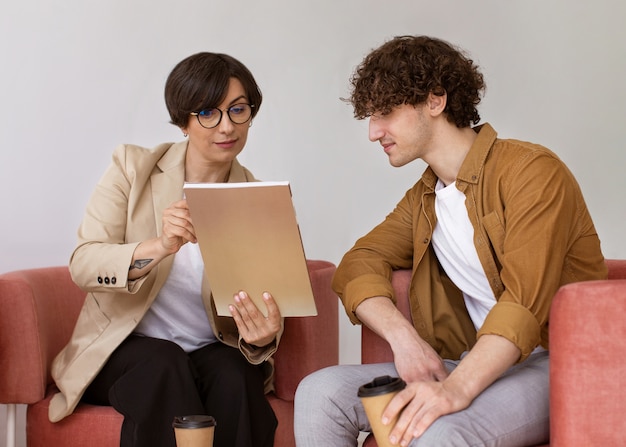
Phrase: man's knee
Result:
[317,385]
[450,432]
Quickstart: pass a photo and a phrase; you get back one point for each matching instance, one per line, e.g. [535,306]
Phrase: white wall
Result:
[79,77]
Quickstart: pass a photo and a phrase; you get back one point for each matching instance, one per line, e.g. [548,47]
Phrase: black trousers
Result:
[150,381]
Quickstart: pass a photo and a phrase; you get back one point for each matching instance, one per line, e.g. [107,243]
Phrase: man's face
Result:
[405,133]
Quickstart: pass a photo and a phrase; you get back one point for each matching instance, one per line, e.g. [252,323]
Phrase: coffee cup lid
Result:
[194,421]
[381,385]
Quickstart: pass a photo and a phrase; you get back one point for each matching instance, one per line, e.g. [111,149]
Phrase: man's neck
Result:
[451,147]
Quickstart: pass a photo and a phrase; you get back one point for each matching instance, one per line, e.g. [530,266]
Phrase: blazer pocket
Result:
[90,325]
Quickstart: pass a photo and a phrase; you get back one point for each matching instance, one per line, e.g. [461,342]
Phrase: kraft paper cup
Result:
[194,430]
[375,396]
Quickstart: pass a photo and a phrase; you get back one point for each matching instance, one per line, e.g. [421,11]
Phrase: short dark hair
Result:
[200,81]
[406,69]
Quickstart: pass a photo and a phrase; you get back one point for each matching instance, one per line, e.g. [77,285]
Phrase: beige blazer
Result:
[124,210]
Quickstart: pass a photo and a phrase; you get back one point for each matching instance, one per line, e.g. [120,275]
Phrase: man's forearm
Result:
[490,357]
[382,316]
[415,360]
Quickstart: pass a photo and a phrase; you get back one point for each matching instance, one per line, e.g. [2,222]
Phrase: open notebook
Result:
[250,240]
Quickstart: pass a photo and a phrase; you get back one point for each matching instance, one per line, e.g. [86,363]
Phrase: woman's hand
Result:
[254,327]
[177,228]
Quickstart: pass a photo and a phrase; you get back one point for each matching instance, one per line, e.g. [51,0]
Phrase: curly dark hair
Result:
[406,69]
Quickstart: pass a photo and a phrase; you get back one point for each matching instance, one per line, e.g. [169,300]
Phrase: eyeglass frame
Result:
[197,114]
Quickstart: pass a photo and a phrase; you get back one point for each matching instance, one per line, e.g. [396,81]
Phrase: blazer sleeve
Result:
[101,260]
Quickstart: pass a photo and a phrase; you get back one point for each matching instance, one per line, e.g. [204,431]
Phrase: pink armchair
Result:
[587,373]
[38,309]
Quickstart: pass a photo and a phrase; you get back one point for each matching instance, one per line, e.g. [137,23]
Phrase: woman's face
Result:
[220,144]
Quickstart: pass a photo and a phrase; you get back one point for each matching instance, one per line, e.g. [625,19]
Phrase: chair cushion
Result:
[100,426]
[89,425]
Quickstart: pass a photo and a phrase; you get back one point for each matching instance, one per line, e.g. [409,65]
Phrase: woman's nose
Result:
[225,125]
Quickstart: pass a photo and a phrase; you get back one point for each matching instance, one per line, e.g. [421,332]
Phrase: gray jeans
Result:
[513,411]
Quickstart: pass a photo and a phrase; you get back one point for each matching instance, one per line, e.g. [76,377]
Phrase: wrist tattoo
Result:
[140,263]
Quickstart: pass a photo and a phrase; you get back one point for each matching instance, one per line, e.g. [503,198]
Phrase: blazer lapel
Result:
[166,183]
[167,180]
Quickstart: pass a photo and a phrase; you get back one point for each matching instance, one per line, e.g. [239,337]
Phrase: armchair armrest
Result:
[587,370]
[38,309]
[309,343]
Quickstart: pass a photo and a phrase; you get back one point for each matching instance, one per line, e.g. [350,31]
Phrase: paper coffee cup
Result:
[194,430]
[375,396]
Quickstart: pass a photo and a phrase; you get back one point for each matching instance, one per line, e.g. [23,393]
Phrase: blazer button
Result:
[113,280]
[220,336]
[107,280]
[100,280]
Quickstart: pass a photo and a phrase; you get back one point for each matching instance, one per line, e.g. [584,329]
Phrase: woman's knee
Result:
[164,354]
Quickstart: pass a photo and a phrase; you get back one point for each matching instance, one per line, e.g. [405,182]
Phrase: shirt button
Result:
[100,280]
[107,280]
[220,336]
[113,280]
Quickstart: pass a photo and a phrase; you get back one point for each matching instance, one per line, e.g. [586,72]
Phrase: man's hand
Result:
[415,359]
[423,402]
[419,405]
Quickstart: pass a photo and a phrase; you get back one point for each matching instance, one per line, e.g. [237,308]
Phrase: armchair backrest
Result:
[617,268]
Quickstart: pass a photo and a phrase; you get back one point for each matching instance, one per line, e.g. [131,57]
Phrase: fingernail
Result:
[266,295]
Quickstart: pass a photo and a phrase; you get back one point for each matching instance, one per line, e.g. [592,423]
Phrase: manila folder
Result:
[250,240]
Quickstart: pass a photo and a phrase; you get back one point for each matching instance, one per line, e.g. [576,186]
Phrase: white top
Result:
[178,313]
[453,241]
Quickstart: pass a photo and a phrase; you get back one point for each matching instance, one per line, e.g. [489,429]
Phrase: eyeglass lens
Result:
[238,114]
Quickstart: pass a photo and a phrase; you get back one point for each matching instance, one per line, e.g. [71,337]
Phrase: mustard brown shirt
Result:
[532,231]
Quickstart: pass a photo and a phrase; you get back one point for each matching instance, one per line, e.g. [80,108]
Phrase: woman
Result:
[147,340]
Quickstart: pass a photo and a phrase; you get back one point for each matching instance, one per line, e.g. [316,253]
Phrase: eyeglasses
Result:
[210,118]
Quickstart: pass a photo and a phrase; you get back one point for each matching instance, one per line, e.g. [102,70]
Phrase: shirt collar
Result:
[474,160]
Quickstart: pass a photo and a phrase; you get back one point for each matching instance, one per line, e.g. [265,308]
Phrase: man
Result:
[491,230]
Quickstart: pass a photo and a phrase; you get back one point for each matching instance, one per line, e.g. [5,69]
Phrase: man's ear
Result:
[436,104]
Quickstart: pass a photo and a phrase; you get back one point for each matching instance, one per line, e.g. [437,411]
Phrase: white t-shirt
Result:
[453,241]
[178,313]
